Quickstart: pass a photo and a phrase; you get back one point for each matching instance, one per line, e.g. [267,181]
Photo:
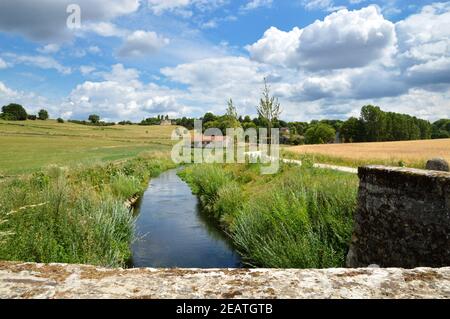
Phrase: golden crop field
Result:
[410,153]
[30,145]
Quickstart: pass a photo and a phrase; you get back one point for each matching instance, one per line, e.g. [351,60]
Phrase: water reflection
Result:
[172,231]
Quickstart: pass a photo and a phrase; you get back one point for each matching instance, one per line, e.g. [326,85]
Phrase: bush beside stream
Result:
[299,218]
[76,215]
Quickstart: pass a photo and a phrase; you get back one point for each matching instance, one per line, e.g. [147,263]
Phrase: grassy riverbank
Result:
[74,215]
[299,218]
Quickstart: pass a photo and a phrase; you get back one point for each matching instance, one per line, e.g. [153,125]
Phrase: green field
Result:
[31,145]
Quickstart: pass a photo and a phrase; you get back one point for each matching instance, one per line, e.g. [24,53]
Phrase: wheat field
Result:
[409,153]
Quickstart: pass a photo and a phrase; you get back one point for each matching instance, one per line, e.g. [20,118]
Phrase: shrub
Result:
[60,120]
[43,115]
[94,119]
[14,112]
[32,117]
[320,134]
[124,186]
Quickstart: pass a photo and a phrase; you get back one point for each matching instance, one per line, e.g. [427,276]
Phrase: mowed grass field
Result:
[31,145]
[409,153]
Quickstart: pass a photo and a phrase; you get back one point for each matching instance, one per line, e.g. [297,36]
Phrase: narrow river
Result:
[172,231]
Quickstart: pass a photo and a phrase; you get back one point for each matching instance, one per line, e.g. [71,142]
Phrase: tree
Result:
[374,120]
[60,120]
[209,117]
[43,115]
[441,129]
[353,130]
[320,134]
[94,119]
[231,110]
[14,112]
[268,109]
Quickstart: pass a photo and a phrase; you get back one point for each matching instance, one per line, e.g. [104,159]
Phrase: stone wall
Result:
[403,218]
[24,280]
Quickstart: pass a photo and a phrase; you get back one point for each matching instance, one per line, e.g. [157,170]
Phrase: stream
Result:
[172,231]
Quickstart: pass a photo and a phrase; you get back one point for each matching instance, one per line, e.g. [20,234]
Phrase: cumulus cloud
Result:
[121,95]
[141,43]
[424,45]
[277,47]
[45,20]
[344,39]
[211,82]
[30,100]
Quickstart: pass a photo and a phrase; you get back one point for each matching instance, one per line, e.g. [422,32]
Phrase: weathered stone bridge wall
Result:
[19,280]
[403,218]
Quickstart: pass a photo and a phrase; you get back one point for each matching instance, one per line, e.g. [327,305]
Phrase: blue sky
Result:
[132,59]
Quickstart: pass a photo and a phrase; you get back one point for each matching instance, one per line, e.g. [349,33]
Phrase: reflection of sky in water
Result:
[172,232]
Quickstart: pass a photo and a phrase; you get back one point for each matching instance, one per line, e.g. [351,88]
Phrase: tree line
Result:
[16,112]
[373,125]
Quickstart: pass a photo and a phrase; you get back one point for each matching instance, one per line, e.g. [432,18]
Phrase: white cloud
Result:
[324,5]
[424,44]
[141,43]
[94,49]
[211,82]
[39,61]
[105,29]
[3,64]
[49,49]
[160,6]
[45,20]
[255,4]
[317,4]
[344,39]
[121,95]
[184,7]
[86,69]
[277,47]
[32,102]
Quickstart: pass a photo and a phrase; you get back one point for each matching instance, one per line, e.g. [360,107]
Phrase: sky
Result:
[133,59]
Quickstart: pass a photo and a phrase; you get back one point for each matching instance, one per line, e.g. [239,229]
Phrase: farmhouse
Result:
[210,141]
[166,123]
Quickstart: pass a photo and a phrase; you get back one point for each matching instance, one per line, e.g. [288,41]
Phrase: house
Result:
[285,131]
[210,141]
[166,123]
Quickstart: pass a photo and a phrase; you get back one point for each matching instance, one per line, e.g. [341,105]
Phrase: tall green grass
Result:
[73,216]
[219,194]
[300,218]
